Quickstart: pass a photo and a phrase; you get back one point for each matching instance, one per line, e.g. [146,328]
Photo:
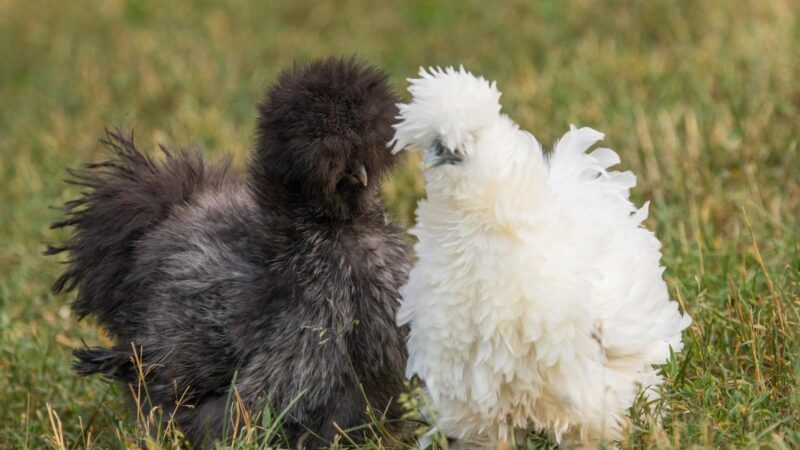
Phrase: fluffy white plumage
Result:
[537,302]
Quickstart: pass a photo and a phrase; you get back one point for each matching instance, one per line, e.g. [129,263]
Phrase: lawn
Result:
[700,98]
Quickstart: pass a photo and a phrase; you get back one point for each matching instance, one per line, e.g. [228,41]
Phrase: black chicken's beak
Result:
[360,174]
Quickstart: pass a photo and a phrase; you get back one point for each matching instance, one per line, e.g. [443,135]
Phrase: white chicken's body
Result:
[537,302]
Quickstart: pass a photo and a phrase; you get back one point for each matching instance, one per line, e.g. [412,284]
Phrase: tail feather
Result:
[123,198]
[111,362]
[573,170]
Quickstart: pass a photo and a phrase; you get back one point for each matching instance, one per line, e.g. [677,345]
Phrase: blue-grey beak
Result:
[439,154]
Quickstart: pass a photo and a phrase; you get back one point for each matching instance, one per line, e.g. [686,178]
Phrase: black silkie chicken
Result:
[282,281]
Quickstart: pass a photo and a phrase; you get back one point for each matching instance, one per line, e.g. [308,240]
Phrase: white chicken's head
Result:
[449,110]
[469,148]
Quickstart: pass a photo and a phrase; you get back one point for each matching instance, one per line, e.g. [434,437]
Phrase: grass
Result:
[701,99]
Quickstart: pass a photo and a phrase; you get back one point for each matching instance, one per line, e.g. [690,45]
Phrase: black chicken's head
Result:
[322,136]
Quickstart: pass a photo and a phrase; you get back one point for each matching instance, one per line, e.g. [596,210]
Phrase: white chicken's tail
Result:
[572,170]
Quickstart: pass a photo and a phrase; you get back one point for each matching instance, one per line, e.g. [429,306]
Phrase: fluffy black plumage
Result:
[286,277]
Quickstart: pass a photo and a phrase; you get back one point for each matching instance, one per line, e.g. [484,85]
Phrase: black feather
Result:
[285,278]
[112,362]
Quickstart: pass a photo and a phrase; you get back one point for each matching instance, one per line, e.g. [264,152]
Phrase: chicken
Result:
[281,282]
[537,302]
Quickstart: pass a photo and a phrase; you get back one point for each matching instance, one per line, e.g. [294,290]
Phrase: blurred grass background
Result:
[700,98]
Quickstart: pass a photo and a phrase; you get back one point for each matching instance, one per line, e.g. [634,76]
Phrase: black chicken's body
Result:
[282,282]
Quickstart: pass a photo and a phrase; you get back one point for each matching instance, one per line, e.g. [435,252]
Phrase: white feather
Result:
[437,93]
[537,302]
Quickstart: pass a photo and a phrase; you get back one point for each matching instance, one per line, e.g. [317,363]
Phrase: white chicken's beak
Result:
[438,155]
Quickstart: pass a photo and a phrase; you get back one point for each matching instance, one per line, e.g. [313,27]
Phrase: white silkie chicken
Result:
[537,302]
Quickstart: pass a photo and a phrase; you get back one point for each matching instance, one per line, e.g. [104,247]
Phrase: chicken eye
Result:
[438,148]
